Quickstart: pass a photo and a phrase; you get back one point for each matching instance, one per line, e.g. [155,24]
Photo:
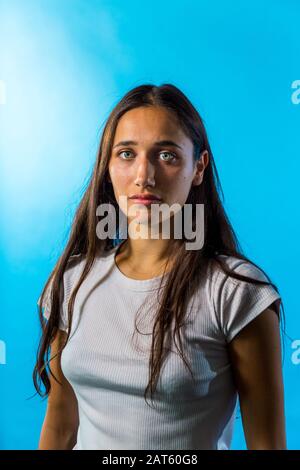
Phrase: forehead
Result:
[146,124]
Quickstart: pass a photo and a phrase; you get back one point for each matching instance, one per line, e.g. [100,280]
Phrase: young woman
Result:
[128,316]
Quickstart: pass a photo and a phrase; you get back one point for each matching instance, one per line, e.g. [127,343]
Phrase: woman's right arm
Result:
[60,426]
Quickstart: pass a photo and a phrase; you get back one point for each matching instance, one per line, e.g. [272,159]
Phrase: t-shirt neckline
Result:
[139,285]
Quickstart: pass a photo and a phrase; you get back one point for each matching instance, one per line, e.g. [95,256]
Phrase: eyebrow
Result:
[160,143]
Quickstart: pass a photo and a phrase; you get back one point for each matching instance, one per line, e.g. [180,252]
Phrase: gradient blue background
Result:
[63,67]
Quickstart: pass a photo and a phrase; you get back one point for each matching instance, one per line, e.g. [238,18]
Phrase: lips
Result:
[146,202]
[145,197]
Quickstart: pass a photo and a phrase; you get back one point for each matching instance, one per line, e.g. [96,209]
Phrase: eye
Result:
[124,151]
[174,157]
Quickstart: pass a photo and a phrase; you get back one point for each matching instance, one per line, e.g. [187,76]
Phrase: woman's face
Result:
[157,160]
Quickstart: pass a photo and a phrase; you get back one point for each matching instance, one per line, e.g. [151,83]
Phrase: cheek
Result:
[119,177]
[180,188]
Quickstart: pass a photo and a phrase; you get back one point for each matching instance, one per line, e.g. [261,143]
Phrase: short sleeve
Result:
[239,302]
[63,323]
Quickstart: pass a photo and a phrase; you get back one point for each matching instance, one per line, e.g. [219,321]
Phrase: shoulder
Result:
[238,301]
[77,262]
[74,267]
[73,264]
[237,266]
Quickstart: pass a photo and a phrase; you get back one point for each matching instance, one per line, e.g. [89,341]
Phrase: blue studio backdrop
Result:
[64,64]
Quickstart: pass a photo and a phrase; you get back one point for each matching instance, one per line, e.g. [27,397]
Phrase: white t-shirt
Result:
[109,371]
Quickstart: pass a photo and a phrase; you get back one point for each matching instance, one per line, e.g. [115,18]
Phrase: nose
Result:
[145,173]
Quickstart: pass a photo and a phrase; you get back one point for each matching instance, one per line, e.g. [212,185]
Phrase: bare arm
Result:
[256,361]
[61,421]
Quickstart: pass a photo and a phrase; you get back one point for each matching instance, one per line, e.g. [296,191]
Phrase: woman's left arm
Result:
[255,353]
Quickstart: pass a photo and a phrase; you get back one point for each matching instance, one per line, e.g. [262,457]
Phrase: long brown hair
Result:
[188,265]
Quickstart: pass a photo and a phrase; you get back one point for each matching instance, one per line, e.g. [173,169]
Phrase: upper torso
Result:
[109,371]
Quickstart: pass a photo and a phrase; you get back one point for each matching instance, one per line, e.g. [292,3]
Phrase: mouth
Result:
[145,201]
[145,198]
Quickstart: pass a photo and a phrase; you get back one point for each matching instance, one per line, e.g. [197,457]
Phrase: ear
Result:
[200,166]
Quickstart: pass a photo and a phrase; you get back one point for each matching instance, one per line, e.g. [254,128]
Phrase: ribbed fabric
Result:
[109,371]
